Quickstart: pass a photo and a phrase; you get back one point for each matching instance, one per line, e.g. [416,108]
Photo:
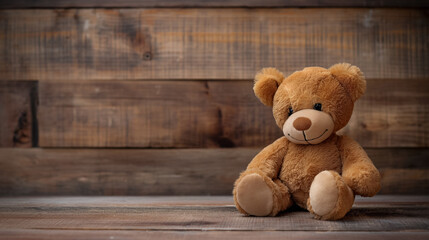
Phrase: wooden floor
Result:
[214,217]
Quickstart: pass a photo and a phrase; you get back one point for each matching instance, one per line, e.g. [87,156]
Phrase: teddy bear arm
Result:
[358,171]
[270,159]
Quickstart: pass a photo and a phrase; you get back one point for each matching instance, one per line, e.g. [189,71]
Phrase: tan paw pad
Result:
[323,193]
[254,195]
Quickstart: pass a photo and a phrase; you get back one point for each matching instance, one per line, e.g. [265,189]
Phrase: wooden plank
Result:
[208,43]
[404,181]
[169,171]
[391,114]
[18,126]
[120,171]
[380,217]
[175,114]
[159,201]
[197,235]
[153,114]
[179,201]
[206,3]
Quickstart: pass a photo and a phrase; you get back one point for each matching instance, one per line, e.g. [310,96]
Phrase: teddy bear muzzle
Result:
[308,126]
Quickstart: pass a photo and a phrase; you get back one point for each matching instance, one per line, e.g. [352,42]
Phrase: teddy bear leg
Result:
[330,197]
[258,195]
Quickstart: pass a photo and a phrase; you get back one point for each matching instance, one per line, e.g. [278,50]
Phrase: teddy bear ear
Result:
[351,78]
[266,83]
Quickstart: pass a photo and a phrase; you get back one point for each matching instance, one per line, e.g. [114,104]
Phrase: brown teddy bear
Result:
[311,165]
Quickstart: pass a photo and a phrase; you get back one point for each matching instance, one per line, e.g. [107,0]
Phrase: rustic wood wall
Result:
[155,97]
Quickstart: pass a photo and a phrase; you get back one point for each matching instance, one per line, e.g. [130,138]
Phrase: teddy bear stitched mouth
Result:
[305,137]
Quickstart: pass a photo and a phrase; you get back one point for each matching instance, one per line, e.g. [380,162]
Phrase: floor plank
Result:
[391,213]
[13,234]
[171,201]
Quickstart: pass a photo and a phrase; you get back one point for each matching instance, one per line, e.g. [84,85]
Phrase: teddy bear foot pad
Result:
[254,196]
[330,198]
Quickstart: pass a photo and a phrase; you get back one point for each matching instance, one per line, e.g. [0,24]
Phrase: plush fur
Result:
[287,168]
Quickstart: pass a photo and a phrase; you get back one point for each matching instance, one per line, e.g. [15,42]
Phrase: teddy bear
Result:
[310,166]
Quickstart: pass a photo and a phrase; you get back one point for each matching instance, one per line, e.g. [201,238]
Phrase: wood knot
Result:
[21,133]
[147,56]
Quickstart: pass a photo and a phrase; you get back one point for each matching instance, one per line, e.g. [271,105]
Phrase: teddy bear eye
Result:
[290,111]
[318,107]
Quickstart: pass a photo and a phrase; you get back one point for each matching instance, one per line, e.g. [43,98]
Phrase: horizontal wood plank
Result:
[206,3]
[120,171]
[176,114]
[377,217]
[209,44]
[18,127]
[12,234]
[167,114]
[168,171]
[403,181]
[179,201]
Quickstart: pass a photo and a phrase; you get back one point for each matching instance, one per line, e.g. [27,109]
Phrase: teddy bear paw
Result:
[330,198]
[254,196]
[323,194]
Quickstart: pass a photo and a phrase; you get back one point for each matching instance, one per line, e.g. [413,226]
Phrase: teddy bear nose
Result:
[302,123]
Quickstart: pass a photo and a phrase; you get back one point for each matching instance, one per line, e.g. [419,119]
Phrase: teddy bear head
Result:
[312,104]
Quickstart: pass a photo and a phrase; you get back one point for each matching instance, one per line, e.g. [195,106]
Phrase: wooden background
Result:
[155,97]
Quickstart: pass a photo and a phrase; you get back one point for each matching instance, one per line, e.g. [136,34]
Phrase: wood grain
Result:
[169,171]
[206,3]
[197,235]
[167,114]
[209,44]
[18,127]
[176,114]
[178,201]
[391,114]
[185,216]
[402,181]
[120,171]
[202,217]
